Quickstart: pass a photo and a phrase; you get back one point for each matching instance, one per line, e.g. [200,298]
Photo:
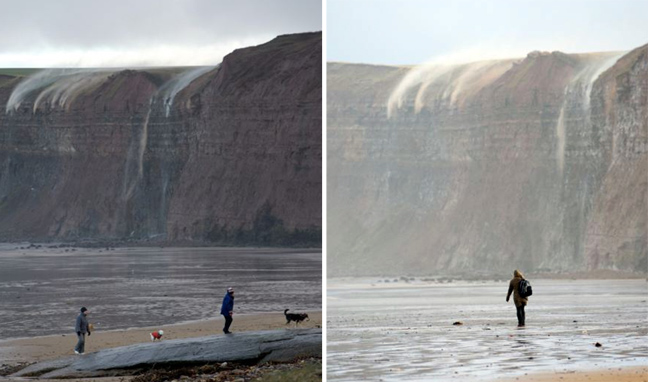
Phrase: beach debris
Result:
[457,323]
[598,344]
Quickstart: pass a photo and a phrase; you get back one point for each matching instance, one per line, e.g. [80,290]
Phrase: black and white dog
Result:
[295,317]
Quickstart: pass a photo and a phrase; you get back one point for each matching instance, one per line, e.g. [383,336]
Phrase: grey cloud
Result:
[30,25]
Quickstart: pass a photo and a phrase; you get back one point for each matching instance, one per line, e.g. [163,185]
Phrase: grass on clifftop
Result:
[17,72]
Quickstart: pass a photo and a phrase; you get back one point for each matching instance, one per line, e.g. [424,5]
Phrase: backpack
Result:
[524,288]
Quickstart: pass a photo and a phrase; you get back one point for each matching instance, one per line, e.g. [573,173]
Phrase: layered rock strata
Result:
[538,163]
[228,155]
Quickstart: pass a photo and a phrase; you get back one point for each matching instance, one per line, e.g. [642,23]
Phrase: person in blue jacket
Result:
[227,310]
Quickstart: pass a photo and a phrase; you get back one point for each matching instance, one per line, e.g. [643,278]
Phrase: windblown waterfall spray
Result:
[171,88]
[577,99]
[134,172]
[58,86]
[449,82]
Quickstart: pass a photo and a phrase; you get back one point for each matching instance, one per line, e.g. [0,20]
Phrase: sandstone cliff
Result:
[228,155]
[537,163]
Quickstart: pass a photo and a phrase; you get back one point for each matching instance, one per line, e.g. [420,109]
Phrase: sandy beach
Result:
[134,291]
[42,290]
[404,331]
[630,374]
[52,347]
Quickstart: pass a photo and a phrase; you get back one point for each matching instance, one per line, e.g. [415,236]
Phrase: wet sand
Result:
[631,374]
[52,347]
[42,289]
[404,331]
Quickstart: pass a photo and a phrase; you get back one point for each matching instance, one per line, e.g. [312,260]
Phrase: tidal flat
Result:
[404,331]
[42,289]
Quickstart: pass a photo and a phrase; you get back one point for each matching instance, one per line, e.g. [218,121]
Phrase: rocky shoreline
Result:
[303,369]
[307,369]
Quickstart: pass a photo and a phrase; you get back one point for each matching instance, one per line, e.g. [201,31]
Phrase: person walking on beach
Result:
[520,302]
[81,327]
[227,309]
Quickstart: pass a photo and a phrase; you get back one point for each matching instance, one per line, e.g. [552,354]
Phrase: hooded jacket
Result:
[81,324]
[513,288]
[228,304]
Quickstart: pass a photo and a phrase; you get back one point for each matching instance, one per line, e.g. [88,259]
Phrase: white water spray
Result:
[133,176]
[166,93]
[578,91]
[431,76]
[449,82]
[32,83]
[56,86]
[172,87]
[65,90]
[560,136]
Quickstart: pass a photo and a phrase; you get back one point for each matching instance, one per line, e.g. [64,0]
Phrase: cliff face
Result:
[230,155]
[617,231]
[537,163]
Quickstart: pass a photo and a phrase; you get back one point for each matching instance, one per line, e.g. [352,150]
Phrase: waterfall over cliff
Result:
[228,154]
[540,162]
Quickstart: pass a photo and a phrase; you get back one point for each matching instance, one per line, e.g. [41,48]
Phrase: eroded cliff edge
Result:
[234,157]
[539,163]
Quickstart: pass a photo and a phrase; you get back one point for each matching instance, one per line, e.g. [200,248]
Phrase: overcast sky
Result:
[417,31]
[55,33]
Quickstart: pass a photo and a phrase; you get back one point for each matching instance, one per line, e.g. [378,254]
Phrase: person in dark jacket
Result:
[520,302]
[227,309]
[81,328]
